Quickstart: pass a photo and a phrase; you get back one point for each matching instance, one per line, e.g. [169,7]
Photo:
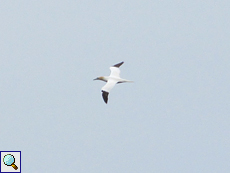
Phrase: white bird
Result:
[111,80]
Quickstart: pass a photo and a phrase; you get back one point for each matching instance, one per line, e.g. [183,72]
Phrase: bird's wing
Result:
[119,64]
[106,89]
[109,85]
[105,96]
[115,71]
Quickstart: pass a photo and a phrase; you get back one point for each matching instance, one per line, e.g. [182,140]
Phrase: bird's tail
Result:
[125,81]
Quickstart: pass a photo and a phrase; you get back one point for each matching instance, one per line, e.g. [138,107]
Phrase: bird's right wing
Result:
[105,96]
[106,89]
[109,85]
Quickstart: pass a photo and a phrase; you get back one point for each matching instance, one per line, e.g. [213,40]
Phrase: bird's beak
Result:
[95,79]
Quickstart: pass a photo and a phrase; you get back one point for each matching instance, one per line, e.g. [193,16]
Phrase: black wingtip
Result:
[105,96]
[119,64]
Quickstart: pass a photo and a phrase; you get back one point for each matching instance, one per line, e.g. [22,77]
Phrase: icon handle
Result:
[14,166]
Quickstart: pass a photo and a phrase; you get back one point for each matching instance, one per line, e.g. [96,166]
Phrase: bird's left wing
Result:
[115,71]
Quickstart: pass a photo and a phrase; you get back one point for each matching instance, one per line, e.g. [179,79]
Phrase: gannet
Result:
[111,80]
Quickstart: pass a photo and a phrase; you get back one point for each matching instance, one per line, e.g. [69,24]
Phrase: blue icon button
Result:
[9,160]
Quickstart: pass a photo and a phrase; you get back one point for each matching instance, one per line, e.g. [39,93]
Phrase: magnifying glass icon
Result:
[9,160]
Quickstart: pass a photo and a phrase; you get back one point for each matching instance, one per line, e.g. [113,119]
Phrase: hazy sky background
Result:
[175,117]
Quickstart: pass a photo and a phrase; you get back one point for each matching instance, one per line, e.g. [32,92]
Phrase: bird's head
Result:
[98,78]
[101,78]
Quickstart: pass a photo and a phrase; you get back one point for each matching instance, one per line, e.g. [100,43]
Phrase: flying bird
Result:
[111,80]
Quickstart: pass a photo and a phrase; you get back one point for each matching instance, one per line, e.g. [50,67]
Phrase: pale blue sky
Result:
[174,118]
